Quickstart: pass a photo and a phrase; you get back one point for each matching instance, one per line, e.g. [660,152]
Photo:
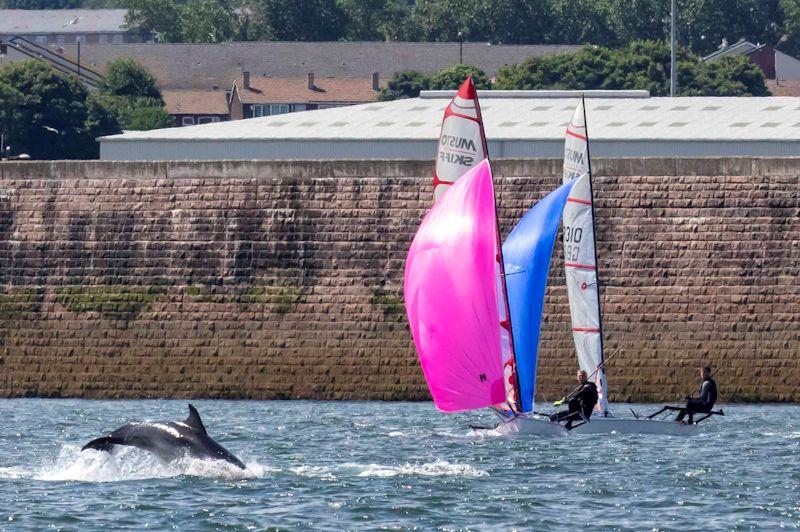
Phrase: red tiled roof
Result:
[784,87]
[196,102]
[295,90]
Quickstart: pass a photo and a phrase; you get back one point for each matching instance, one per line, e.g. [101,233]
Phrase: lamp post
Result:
[672,70]
[460,48]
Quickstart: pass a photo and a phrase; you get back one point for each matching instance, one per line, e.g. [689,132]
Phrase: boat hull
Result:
[522,425]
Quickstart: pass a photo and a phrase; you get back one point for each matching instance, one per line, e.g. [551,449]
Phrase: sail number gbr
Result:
[572,240]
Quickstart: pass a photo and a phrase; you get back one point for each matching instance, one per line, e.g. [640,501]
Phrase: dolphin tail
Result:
[102,444]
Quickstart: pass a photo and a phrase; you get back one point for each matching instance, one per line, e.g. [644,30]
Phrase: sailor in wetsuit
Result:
[704,403]
[580,404]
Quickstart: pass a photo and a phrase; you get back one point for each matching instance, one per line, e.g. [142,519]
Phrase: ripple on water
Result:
[397,465]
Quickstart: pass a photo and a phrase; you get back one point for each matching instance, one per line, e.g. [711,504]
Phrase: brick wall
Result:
[284,279]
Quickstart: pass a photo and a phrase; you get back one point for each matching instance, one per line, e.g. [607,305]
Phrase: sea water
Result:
[369,465]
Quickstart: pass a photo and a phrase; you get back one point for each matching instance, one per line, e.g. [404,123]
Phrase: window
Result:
[258,110]
[117,39]
[41,39]
[187,121]
[207,119]
[103,38]
[278,109]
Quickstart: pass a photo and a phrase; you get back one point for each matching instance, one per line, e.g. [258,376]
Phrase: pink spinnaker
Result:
[451,296]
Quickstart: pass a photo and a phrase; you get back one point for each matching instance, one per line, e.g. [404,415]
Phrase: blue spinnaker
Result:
[526,253]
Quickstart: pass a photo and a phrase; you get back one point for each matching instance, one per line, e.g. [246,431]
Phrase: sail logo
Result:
[574,156]
[451,141]
[456,158]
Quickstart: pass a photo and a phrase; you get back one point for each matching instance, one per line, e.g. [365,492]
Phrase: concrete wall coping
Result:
[313,169]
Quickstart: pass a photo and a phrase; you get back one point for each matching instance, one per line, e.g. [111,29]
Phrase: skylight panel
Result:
[338,124]
[711,108]
[740,124]
[649,108]
[415,124]
[770,124]
[677,124]
[538,124]
[616,124]
[541,108]
[276,124]
[679,108]
[603,108]
[508,124]
[647,124]
[307,124]
[774,108]
[384,124]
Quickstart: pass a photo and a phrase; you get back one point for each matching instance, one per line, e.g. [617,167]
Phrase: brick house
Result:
[191,107]
[264,96]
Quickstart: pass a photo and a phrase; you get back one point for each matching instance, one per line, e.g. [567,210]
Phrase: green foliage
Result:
[126,77]
[146,118]
[49,115]
[208,21]
[131,95]
[640,65]
[296,20]
[110,301]
[390,302]
[406,84]
[454,76]
[375,20]
[160,17]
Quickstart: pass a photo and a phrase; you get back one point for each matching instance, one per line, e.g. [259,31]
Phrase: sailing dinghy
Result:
[528,251]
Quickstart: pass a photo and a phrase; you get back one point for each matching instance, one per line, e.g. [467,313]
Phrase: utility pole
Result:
[672,70]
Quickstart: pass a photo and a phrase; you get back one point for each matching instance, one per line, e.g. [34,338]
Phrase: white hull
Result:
[522,425]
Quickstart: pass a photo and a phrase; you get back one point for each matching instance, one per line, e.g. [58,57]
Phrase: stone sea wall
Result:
[284,279]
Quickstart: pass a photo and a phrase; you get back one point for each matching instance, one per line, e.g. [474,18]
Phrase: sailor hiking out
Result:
[580,402]
[705,402]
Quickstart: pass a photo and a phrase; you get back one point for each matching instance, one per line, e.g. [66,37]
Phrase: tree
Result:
[126,77]
[131,95]
[48,115]
[145,118]
[296,20]
[375,20]
[452,78]
[159,17]
[207,21]
[640,65]
[406,84]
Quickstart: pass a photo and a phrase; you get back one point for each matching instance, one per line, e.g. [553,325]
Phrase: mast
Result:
[517,407]
[596,264]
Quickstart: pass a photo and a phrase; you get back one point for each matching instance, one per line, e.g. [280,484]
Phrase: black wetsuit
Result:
[703,404]
[582,401]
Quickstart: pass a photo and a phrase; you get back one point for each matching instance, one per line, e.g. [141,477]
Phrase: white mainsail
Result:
[462,142]
[580,257]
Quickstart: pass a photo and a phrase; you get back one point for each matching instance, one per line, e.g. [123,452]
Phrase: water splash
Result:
[127,463]
[428,469]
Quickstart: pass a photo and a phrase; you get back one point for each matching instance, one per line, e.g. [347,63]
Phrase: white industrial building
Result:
[519,124]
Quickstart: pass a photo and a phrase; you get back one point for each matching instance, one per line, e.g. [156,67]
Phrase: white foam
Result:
[127,463]
[427,469]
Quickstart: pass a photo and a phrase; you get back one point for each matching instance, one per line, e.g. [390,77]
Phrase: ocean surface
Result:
[371,465]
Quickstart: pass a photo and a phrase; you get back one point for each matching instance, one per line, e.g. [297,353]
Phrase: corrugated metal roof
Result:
[41,21]
[528,117]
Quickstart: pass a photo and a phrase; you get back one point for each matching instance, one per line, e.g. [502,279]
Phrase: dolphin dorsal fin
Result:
[194,421]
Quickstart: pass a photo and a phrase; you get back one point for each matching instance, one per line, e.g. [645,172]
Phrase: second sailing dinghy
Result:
[527,253]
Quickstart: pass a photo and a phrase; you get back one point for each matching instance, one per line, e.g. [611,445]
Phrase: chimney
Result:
[311,81]
[246,76]
[376,82]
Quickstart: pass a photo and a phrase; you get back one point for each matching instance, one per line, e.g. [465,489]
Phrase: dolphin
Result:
[168,440]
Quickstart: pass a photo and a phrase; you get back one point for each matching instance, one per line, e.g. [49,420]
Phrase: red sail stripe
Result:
[586,329]
[580,266]
[576,200]
[573,134]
